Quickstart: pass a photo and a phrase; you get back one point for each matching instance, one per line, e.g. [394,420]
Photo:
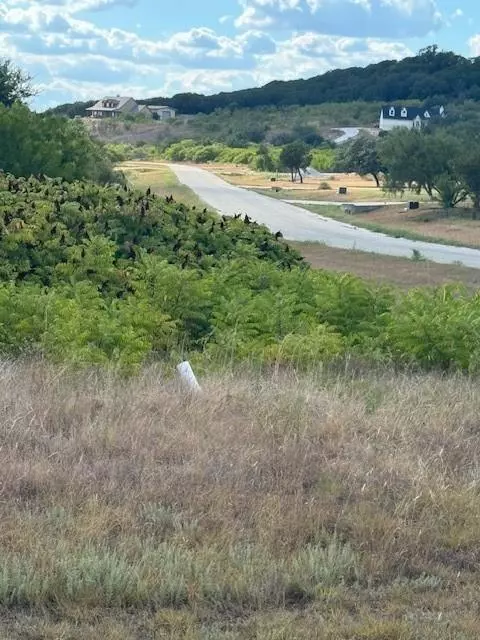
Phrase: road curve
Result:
[348,134]
[297,223]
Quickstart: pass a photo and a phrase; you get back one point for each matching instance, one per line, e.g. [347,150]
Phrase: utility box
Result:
[413,205]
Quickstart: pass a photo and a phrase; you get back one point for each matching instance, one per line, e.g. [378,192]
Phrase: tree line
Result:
[432,76]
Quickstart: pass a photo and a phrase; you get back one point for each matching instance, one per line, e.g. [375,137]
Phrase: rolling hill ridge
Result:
[431,76]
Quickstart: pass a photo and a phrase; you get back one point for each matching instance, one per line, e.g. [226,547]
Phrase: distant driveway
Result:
[348,134]
[297,223]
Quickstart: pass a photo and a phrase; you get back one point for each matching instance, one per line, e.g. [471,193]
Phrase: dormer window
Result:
[404,113]
[391,113]
[426,114]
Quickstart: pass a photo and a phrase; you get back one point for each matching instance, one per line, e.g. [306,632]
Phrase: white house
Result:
[392,116]
[109,107]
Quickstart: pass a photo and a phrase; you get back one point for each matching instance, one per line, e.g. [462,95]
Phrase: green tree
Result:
[15,85]
[41,144]
[360,156]
[423,160]
[296,157]
[468,166]
[264,161]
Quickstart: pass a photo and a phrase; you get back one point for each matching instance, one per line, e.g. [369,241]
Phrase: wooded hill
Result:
[431,76]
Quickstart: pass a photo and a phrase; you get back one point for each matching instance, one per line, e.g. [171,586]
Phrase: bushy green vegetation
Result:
[194,151]
[261,157]
[107,275]
[34,143]
[97,274]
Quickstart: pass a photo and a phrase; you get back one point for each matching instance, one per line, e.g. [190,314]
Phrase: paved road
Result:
[348,134]
[299,224]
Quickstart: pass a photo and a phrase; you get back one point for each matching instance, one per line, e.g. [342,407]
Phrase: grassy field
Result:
[331,507]
[161,180]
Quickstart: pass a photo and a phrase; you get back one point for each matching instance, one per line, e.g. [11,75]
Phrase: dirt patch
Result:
[386,269]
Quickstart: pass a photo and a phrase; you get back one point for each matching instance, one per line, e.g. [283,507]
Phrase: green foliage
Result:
[323,159]
[295,157]
[111,276]
[40,144]
[122,152]
[431,160]
[360,156]
[436,329]
[467,166]
[264,160]
[192,151]
[15,85]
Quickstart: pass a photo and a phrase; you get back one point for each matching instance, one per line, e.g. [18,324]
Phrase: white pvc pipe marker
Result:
[185,372]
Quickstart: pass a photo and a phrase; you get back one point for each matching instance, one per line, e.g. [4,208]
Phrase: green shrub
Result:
[110,276]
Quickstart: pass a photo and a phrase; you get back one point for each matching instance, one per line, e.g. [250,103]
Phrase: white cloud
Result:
[310,54]
[74,58]
[356,18]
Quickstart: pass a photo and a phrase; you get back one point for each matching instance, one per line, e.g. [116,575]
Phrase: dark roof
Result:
[399,112]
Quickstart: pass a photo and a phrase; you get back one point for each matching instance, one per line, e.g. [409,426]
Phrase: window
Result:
[404,113]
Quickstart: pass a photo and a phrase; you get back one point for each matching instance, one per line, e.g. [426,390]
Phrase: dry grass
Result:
[313,188]
[430,222]
[387,269]
[270,508]
[161,180]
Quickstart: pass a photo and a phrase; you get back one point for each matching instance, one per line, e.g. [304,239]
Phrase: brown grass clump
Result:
[265,508]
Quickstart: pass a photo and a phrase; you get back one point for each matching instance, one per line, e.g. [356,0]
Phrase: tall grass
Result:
[252,510]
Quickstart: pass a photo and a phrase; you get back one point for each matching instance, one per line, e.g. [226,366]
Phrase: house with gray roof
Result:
[109,107]
[392,116]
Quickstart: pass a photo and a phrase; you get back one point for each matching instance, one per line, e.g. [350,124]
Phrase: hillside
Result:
[272,125]
[431,76]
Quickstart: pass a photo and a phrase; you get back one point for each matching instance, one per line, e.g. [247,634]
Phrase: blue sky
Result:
[84,49]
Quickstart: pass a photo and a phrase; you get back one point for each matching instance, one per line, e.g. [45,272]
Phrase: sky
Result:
[86,49]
